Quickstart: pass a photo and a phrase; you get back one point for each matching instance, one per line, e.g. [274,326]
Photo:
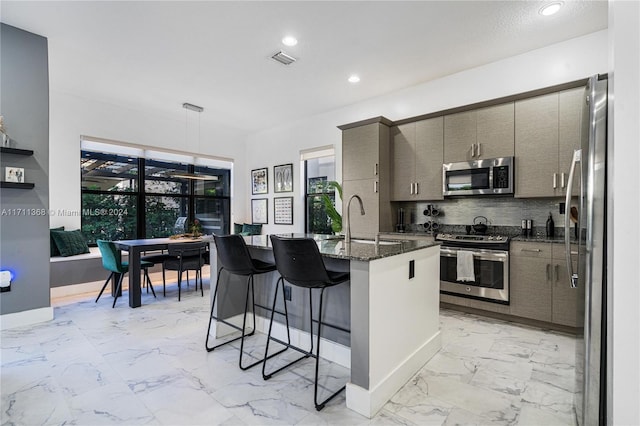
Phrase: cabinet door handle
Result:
[375,169]
[416,184]
[473,150]
[555,180]
[375,186]
[411,188]
[556,269]
[562,180]
[548,275]
[478,150]
[531,250]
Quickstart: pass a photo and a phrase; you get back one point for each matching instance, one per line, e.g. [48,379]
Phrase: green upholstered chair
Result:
[112,262]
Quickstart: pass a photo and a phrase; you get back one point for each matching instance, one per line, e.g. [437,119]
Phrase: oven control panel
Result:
[473,238]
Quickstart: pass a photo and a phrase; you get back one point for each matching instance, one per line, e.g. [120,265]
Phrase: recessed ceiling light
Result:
[354,78]
[551,8]
[289,41]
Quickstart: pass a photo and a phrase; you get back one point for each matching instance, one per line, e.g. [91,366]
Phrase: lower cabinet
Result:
[565,299]
[530,289]
[539,283]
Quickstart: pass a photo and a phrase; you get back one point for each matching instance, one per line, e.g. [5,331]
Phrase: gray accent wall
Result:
[24,223]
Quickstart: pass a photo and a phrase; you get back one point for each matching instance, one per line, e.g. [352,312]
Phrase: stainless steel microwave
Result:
[478,177]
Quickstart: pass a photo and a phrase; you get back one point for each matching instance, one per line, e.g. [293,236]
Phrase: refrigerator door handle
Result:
[573,276]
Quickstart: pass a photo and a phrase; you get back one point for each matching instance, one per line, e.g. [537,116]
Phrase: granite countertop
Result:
[359,249]
[410,234]
[543,239]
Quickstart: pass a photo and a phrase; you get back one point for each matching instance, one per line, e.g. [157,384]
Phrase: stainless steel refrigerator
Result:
[589,166]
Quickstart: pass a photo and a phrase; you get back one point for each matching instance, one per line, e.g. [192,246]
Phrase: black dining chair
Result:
[234,258]
[112,262]
[300,263]
[156,258]
[184,257]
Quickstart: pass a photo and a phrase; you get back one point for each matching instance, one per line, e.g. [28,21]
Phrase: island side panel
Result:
[402,327]
[360,324]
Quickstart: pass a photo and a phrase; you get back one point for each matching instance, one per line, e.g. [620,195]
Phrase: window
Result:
[121,202]
[318,172]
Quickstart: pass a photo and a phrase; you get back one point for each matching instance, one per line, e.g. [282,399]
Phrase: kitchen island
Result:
[391,306]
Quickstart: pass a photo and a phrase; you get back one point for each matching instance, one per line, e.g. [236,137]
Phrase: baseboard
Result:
[76,289]
[369,401]
[20,319]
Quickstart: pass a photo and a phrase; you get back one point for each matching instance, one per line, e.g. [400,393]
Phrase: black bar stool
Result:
[234,257]
[300,263]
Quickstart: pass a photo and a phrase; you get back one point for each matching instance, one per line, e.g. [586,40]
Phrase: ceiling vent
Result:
[283,58]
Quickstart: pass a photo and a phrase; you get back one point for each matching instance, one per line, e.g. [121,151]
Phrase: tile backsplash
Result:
[499,211]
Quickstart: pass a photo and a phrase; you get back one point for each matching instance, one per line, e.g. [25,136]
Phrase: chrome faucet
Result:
[347,219]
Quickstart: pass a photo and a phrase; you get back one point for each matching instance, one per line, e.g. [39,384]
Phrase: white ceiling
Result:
[155,55]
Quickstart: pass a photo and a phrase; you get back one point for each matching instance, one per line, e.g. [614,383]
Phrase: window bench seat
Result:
[81,268]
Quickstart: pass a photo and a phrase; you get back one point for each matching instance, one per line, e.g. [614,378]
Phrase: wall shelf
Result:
[16,185]
[16,151]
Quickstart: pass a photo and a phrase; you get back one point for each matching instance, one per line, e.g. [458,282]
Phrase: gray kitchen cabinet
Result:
[479,134]
[460,136]
[403,146]
[547,130]
[495,136]
[565,298]
[572,125]
[366,171]
[540,283]
[361,152]
[530,281]
[536,158]
[417,160]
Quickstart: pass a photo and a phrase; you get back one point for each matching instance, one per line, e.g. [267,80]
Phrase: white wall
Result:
[72,116]
[572,60]
[624,291]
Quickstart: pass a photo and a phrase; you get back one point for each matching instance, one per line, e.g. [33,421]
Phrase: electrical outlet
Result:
[5,281]
[287,292]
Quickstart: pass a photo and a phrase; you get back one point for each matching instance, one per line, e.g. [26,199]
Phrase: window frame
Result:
[140,193]
[308,196]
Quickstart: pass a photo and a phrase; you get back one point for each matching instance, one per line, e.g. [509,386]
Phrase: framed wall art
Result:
[14,174]
[259,211]
[260,181]
[283,210]
[283,180]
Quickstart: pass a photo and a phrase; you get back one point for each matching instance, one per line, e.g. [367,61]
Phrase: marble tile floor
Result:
[95,365]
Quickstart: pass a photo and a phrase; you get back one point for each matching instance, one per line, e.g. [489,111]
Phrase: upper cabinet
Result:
[417,157]
[479,134]
[366,172]
[547,131]
[572,106]
[361,152]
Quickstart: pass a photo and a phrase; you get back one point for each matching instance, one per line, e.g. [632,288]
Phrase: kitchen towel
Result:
[465,266]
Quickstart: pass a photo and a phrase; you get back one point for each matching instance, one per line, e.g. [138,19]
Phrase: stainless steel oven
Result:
[490,267]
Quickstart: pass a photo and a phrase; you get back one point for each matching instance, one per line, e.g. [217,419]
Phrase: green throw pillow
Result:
[54,248]
[252,229]
[70,242]
[237,228]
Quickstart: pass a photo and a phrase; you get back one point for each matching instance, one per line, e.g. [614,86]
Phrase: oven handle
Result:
[500,256]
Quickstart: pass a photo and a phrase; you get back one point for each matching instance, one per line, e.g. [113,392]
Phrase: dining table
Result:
[136,248]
